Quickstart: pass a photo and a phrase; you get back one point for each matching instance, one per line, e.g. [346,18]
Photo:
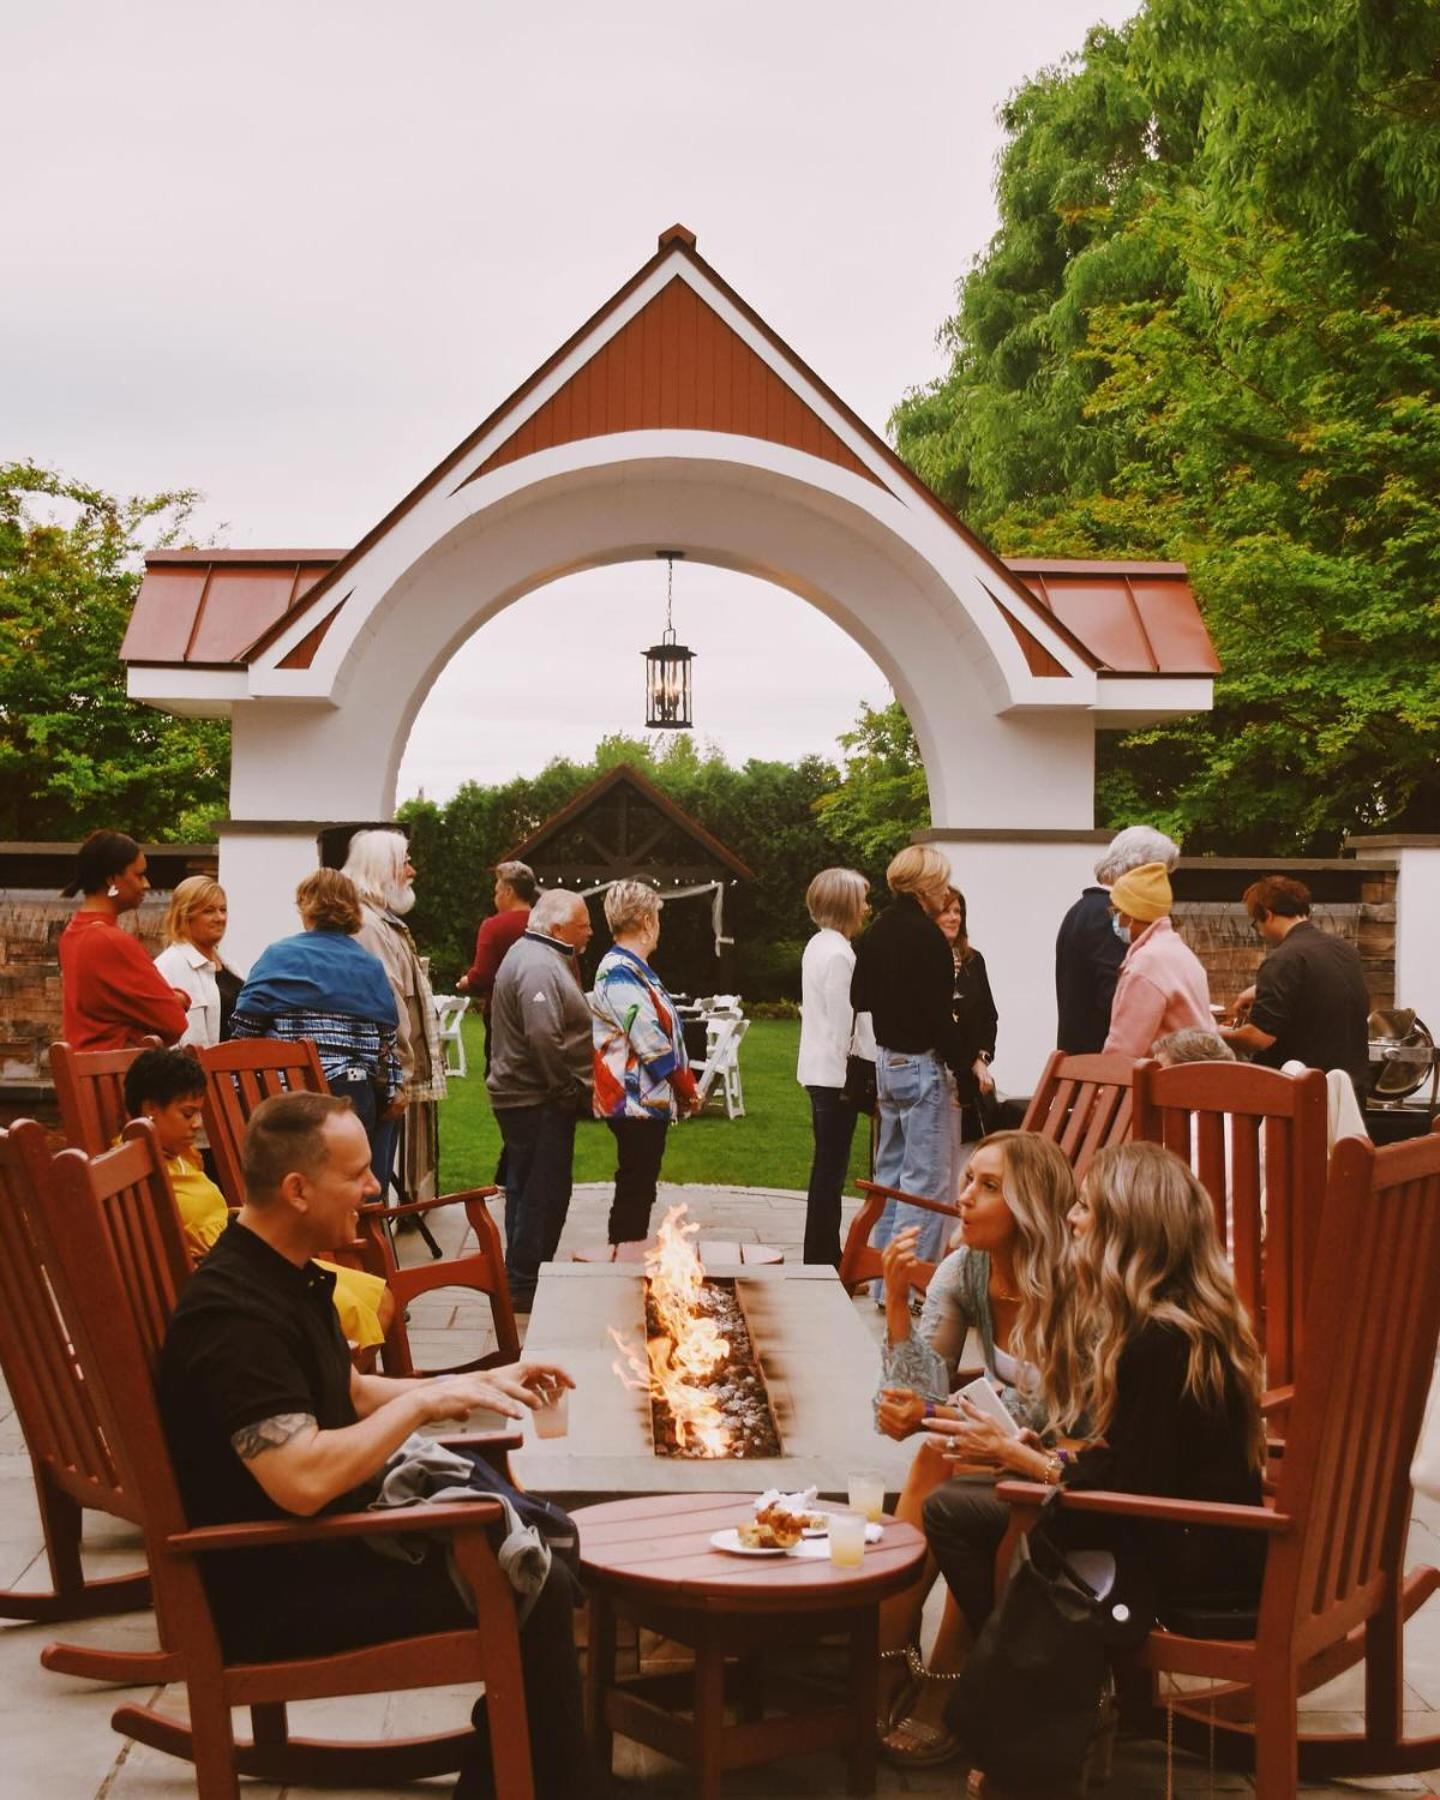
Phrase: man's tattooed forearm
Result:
[269,1434]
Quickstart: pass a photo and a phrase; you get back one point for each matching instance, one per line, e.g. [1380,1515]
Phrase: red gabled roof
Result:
[675,364]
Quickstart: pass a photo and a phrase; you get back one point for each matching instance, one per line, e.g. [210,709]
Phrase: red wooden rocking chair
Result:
[1334,1588]
[1082,1104]
[859,1262]
[1257,1141]
[104,1235]
[73,1461]
[238,1076]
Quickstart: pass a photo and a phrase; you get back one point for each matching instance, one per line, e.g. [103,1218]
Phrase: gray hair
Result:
[836,898]
[556,906]
[1192,1045]
[1129,848]
[629,904]
[375,862]
[520,878]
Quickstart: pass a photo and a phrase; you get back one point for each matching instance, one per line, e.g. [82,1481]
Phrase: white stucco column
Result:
[261,865]
[1018,885]
[1417,913]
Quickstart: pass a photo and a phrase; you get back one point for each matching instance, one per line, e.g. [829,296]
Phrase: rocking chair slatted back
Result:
[90,1089]
[55,1407]
[1257,1141]
[1082,1104]
[238,1076]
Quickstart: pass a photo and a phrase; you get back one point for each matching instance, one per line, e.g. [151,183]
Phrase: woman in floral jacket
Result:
[642,1076]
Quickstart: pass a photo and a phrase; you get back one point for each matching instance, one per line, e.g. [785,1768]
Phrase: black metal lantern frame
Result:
[667,669]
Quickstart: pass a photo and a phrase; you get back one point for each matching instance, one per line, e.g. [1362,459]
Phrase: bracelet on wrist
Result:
[929,1412]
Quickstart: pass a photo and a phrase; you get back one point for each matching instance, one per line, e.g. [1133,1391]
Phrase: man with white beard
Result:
[379,864]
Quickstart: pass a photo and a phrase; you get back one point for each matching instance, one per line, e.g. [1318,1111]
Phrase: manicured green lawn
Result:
[769,1147]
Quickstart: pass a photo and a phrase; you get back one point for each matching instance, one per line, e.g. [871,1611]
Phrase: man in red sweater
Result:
[516,891]
[113,995]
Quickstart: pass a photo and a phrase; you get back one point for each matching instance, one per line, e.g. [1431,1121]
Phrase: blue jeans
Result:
[914,1149]
[833,1123]
[539,1175]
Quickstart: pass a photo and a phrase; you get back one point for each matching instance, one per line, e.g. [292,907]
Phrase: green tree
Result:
[882,799]
[75,752]
[1206,330]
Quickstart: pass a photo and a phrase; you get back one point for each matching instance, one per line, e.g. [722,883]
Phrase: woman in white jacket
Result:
[829,1031]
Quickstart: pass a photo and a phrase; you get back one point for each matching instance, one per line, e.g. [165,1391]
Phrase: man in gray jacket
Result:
[540,1080]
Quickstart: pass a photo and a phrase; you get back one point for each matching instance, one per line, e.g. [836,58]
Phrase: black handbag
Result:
[1029,1699]
[861,1089]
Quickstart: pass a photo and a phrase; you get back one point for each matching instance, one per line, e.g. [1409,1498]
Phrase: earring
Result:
[112,892]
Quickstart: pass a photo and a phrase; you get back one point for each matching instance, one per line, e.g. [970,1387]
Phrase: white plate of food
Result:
[729,1541]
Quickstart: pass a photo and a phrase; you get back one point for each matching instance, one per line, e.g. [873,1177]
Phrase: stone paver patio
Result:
[56,1733]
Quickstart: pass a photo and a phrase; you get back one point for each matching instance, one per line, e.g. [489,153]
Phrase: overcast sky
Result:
[290,254]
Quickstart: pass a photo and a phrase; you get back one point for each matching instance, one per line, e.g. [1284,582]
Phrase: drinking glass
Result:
[553,1421]
[847,1539]
[867,1494]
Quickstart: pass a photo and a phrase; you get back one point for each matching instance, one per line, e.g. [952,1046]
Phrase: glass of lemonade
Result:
[867,1494]
[847,1539]
[553,1421]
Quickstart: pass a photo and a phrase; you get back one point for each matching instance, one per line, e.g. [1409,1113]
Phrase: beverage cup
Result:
[867,1494]
[553,1421]
[847,1539]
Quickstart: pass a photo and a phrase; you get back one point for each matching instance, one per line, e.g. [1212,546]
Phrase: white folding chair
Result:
[719,1074]
[450,1009]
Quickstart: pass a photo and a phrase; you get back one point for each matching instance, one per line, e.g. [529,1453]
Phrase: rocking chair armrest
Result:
[1276,1399]
[407,1208]
[873,1191]
[465,1515]
[1029,1495]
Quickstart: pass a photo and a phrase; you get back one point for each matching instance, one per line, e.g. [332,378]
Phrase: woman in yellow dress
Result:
[167,1087]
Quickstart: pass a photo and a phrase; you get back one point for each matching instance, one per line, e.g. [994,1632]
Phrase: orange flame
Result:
[690,1345]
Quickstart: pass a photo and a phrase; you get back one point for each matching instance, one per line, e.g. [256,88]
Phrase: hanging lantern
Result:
[667,668]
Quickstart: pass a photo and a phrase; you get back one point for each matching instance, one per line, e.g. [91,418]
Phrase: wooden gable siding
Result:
[678,366]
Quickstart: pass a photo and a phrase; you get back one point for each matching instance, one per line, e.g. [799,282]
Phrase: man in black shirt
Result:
[1088,954]
[266,1418]
[1309,1003]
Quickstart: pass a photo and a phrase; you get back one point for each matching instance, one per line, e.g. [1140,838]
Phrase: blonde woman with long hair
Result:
[1169,1385]
[1008,1282]
[191,961]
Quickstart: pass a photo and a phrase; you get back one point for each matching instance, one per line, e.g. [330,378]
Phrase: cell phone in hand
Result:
[982,1396]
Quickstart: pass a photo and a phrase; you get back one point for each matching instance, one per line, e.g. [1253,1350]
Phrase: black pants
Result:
[964,1526]
[834,1127]
[539,1177]
[639,1151]
[342,1597]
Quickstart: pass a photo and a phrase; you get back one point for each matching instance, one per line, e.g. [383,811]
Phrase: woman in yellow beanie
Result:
[1162,985]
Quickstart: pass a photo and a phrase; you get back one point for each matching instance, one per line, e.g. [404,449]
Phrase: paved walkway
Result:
[55,1736]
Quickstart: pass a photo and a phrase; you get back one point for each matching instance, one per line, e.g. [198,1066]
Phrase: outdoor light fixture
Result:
[667,668]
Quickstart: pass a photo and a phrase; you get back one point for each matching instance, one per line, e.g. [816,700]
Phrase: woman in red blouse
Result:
[113,994]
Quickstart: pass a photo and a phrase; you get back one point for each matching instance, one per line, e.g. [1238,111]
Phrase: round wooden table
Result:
[650,1561]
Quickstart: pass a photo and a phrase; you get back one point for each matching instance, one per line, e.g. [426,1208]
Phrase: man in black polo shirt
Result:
[266,1418]
[1309,1003]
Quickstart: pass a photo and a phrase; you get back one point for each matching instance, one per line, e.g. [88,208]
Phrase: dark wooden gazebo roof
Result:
[623,825]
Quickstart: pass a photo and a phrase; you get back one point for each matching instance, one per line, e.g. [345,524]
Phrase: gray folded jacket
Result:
[422,1472]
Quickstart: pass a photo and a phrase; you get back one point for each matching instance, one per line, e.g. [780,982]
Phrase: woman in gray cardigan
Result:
[1006,1282]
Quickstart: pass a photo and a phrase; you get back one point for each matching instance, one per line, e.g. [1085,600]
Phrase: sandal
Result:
[902,1696]
[912,1744]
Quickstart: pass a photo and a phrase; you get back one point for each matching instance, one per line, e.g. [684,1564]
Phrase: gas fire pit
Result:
[692,1379]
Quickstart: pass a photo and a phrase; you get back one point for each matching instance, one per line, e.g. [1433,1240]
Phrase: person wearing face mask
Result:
[642,1075]
[1162,985]
[113,997]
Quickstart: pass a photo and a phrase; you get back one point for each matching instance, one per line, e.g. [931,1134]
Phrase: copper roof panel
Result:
[240,603]
[163,616]
[1099,610]
[1174,625]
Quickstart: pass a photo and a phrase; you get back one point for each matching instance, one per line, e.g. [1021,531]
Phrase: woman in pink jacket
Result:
[1162,985]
